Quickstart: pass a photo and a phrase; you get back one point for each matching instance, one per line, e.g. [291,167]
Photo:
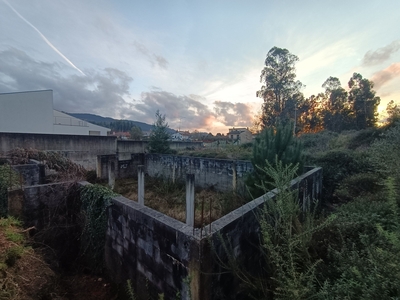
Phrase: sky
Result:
[197,62]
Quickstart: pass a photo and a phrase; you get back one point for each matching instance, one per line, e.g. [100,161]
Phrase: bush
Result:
[338,165]
[272,146]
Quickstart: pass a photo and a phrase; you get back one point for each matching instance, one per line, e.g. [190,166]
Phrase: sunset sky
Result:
[198,62]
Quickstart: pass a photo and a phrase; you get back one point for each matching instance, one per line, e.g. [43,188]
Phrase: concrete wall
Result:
[126,147]
[27,112]
[219,174]
[141,242]
[80,149]
[31,174]
[37,204]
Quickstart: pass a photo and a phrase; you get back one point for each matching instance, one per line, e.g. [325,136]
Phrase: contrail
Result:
[44,38]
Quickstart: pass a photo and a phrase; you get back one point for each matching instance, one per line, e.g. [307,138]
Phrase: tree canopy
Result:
[159,137]
[280,91]
[335,109]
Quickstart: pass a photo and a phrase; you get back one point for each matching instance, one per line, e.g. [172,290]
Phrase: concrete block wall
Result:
[219,174]
[127,147]
[32,173]
[141,242]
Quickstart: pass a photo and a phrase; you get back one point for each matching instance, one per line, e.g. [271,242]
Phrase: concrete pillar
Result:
[190,199]
[141,184]
[111,174]
[98,166]
[234,177]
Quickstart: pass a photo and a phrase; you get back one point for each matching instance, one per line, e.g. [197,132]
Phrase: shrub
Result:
[270,147]
[338,165]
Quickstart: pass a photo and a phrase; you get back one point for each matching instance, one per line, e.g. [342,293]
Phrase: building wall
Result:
[27,112]
[66,124]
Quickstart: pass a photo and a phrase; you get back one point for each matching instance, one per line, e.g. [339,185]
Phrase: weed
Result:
[13,254]
[13,236]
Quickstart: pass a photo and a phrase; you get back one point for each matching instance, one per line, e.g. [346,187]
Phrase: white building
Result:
[240,135]
[32,112]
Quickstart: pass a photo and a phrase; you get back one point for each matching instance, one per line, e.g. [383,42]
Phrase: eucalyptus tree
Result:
[364,102]
[280,87]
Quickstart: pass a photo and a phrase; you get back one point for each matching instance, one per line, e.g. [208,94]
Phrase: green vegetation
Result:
[159,137]
[95,200]
[335,109]
[8,179]
[350,247]
[271,146]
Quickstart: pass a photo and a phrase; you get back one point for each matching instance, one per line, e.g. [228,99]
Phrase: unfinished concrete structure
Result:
[145,245]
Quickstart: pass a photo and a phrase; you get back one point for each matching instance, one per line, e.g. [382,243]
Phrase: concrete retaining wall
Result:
[80,149]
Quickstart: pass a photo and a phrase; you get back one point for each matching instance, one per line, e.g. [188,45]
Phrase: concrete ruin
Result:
[145,245]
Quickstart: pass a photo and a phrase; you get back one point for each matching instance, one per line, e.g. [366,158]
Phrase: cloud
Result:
[153,58]
[233,114]
[382,77]
[380,55]
[186,112]
[99,92]
[106,92]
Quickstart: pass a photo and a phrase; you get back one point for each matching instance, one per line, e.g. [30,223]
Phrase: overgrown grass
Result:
[170,199]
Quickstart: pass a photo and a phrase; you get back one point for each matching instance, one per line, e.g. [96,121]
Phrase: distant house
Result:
[32,112]
[176,136]
[240,135]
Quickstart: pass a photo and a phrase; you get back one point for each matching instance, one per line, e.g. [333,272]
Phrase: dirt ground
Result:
[170,199]
[25,275]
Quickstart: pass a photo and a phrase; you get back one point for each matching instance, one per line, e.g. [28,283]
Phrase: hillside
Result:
[114,124]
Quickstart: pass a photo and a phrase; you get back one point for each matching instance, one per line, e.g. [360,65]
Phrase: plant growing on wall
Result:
[95,200]
[288,268]
[8,179]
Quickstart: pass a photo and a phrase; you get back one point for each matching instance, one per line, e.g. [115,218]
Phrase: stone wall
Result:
[218,174]
[80,149]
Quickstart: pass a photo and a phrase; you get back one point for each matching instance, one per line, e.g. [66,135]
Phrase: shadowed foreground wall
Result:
[143,243]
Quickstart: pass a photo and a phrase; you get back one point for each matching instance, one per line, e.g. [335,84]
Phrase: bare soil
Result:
[170,199]
[25,275]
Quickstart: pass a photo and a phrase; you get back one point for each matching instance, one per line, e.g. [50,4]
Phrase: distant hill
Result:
[113,124]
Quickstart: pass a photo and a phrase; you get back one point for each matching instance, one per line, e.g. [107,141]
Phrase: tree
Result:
[337,114]
[136,133]
[278,77]
[158,142]
[393,111]
[269,147]
[363,101]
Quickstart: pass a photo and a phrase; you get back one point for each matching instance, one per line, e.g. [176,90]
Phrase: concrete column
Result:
[111,174]
[234,177]
[98,166]
[141,184]
[190,199]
